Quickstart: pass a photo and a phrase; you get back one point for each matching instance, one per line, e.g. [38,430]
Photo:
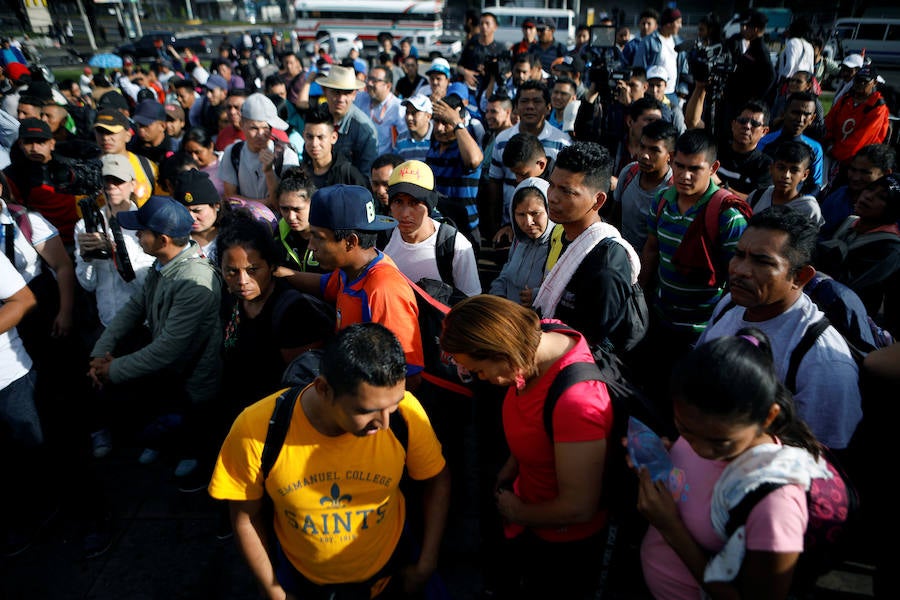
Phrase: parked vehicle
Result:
[779,19]
[337,43]
[877,39]
[432,46]
[510,19]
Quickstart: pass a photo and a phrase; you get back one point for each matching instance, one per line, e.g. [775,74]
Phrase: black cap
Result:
[867,73]
[149,111]
[195,187]
[34,129]
[112,99]
[112,120]
[38,93]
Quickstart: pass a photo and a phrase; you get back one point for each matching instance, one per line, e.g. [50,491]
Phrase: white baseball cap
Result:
[853,61]
[657,72]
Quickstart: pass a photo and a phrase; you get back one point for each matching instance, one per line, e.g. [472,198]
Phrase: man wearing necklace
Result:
[383,107]
[364,284]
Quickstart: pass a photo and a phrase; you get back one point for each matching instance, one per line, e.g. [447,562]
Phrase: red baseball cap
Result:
[16,70]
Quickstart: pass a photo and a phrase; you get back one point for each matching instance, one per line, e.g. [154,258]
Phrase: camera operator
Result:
[41,180]
[751,78]
[601,116]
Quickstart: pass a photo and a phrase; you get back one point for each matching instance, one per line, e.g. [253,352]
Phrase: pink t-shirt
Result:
[776,524]
[583,413]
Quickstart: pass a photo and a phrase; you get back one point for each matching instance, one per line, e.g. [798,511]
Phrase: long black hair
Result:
[734,377]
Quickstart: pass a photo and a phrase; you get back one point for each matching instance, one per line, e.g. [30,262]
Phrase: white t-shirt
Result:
[668,59]
[27,260]
[14,360]
[418,260]
[252,178]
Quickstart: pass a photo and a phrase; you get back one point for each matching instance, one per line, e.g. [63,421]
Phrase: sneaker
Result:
[148,456]
[185,467]
[101,443]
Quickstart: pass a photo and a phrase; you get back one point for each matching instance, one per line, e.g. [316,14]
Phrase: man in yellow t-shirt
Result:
[339,513]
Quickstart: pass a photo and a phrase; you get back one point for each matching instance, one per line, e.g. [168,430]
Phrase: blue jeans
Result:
[20,425]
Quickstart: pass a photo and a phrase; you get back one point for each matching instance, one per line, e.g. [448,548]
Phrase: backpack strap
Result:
[754,197]
[20,215]
[280,422]
[738,515]
[444,248]
[9,242]
[632,172]
[812,333]
[713,210]
[148,170]
[731,304]
[566,378]
[235,158]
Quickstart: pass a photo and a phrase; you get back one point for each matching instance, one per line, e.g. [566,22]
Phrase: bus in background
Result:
[510,19]
[878,39]
[368,18]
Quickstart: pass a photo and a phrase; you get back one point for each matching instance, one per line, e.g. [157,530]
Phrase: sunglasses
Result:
[753,122]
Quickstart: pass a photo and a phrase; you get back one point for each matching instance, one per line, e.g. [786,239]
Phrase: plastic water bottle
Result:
[646,449]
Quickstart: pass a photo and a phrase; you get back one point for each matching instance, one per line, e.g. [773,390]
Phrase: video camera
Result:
[711,64]
[93,223]
[603,63]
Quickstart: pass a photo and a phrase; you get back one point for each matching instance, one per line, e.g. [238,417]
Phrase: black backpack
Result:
[625,527]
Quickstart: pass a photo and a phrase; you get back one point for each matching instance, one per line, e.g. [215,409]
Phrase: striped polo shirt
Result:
[458,185]
[683,304]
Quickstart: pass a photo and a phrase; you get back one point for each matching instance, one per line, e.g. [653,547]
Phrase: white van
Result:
[510,19]
[879,39]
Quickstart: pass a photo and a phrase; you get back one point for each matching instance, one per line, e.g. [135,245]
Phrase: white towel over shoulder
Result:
[559,276]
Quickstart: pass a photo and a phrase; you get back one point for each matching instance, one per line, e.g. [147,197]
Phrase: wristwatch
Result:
[459,126]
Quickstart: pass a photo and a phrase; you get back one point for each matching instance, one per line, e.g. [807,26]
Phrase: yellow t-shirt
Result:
[338,510]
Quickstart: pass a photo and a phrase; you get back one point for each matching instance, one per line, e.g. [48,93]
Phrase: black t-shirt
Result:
[253,361]
[476,54]
[405,87]
[594,299]
[744,172]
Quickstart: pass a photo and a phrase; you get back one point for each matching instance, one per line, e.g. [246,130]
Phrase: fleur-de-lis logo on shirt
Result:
[336,499]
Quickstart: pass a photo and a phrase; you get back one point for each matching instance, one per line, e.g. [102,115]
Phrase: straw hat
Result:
[341,78]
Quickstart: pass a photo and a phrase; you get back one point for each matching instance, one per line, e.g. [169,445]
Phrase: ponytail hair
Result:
[734,377]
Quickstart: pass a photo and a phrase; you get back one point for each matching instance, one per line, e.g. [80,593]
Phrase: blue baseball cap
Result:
[159,214]
[460,89]
[347,207]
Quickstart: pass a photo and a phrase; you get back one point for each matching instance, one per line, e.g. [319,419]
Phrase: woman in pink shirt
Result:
[734,417]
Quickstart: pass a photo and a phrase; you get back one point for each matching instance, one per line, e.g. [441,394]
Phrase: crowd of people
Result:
[195,236]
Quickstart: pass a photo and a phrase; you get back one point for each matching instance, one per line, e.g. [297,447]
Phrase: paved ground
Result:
[164,548]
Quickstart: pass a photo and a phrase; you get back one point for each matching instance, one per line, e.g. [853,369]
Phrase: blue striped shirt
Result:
[458,185]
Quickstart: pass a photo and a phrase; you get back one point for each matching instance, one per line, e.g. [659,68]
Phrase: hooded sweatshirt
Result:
[525,265]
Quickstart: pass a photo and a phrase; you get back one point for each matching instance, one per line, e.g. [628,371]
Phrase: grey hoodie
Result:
[525,265]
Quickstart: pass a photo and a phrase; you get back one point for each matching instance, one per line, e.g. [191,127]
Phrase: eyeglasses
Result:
[753,122]
[373,80]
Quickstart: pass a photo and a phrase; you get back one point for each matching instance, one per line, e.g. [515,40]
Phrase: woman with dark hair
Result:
[200,145]
[738,429]
[548,492]
[267,322]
